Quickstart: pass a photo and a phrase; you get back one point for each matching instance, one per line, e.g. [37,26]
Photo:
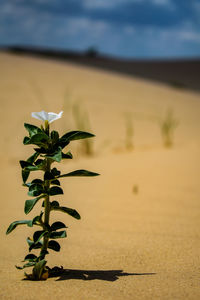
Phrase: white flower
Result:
[46,116]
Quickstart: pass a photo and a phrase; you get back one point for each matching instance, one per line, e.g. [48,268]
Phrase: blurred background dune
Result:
[141,215]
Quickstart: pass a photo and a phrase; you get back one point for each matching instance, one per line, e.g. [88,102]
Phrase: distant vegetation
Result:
[82,122]
[168,126]
[78,117]
[177,84]
[129,131]
[91,52]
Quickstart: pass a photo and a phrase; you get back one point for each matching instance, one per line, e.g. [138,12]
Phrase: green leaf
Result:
[54,136]
[25,175]
[72,212]
[35,189]
[40,161]
[77,135]
[14,224]
[32,129]
[32,168]
[38,235]
[73,135]
[41,150]
[33,245]
[54,204]
[48,176]
[37,220]
[58,234]
[30,223]
[55,172]
[54,246]
[29,204]
[39,165]
[28,184]
[79,173]
[39,181]
[38,269]
[24,164]
[29,241]
[68,155]
[39,139]
[33,157]
[55,190]
[57,225]
[57,156]
[26,140]
[29,264]
[55,182]
[30,257]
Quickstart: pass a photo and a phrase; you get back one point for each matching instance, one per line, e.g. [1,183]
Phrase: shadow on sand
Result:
[107,275]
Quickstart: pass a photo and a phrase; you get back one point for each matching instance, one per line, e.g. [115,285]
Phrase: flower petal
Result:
[53,116]
[45,116]
[37,115]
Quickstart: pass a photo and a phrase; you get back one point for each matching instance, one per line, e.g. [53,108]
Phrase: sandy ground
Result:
[139,233]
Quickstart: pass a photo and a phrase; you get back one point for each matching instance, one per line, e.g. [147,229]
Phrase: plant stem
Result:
[47,209]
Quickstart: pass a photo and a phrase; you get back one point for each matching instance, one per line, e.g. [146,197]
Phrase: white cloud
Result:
[130,30]
[14,10]
[190,36]
[196,5]
[105,4]
[75,26]
[109,4]
[161,2]
[169,4]
[28,26]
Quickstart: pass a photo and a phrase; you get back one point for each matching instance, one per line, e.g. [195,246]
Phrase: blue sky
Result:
[123,28]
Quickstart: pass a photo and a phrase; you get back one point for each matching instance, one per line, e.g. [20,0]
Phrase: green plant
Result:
[168,125]
[48,149]
[129,131]
[82,122]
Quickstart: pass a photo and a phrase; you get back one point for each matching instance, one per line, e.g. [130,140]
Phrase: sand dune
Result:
[177,72]
[139,233]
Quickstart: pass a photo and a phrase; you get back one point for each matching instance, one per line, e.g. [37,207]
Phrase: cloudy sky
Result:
[124,28]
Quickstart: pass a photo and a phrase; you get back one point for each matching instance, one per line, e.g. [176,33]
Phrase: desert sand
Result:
[139,236]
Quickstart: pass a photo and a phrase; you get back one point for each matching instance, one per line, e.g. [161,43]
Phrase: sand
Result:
[138,237]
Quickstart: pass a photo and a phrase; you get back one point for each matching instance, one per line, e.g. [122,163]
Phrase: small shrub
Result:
[129,131]
[82,122]
[168,126]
